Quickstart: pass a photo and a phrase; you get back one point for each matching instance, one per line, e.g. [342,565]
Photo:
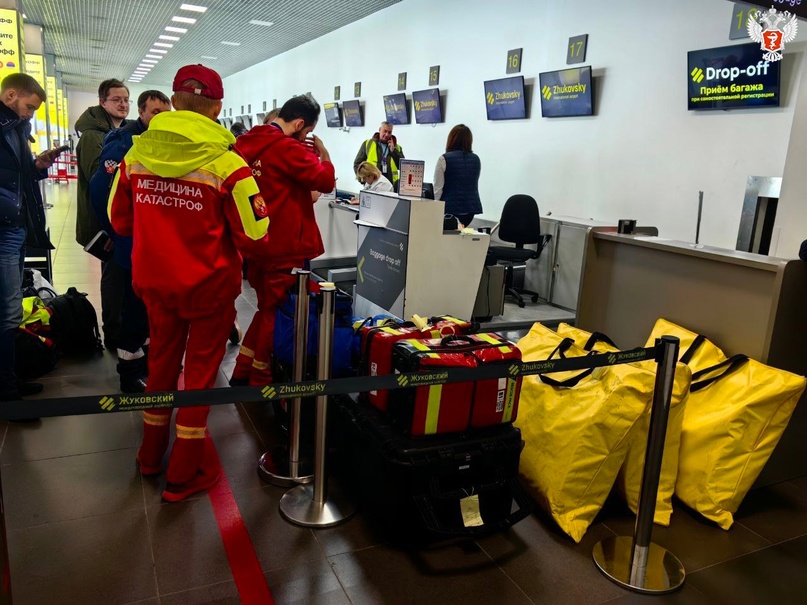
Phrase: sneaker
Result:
[235,333]
[202,482]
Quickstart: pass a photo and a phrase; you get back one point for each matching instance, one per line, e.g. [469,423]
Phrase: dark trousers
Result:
[113,285]
[134,326]
[12,260]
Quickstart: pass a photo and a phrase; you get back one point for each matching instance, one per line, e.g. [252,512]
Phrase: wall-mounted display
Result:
[567,92]
[428,109]
[333,117]
[504,99]
[731,77]
[353,114]
[395,109]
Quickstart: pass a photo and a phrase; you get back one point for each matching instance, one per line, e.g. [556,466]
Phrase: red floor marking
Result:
[249,578]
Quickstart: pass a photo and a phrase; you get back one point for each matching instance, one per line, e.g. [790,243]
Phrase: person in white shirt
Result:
[369,175]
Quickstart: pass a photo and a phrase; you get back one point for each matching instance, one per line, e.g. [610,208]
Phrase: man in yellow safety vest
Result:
[383,151]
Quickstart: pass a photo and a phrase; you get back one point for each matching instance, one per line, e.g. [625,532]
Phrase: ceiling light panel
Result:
[259,22]
[173,38]
[153,57]
[231,43]
[163,45]
[188,20]
[83,32]
[209,57]
[193,7]
[159,51]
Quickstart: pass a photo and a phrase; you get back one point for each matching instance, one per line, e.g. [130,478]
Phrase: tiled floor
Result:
[83,526]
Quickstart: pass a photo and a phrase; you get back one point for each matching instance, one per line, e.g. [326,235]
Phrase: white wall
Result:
[77,104]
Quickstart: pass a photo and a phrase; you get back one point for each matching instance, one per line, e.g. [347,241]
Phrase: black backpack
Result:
[35,355]
[74,324]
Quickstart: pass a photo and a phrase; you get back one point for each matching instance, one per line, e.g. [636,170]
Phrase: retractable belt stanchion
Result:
[316,505]
[637,563]
[282,467]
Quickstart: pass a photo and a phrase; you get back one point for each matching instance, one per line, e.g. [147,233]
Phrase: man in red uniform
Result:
[190,204]
[287,171]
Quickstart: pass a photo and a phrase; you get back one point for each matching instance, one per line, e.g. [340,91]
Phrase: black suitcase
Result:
[437,487]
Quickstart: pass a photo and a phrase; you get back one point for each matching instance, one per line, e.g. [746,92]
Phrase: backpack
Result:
[74,324]
[35,355]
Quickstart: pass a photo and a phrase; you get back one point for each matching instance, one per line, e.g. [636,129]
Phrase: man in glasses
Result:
[94,124]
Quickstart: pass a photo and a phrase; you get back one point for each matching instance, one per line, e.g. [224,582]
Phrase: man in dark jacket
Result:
[287,171]
[134,321]
[22,215]
[383,151]
[94,124]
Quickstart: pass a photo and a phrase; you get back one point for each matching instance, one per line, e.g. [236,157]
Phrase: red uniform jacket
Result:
[286,173]
[191,205]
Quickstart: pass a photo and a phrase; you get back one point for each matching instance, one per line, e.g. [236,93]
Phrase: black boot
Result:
[132,374]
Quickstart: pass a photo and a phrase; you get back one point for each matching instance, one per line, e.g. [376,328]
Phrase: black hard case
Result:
[415,485]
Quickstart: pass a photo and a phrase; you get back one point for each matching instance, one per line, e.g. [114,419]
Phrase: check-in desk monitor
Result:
[407,265]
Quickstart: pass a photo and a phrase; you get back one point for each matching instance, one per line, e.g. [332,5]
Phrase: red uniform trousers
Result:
[202,340]
[271,285]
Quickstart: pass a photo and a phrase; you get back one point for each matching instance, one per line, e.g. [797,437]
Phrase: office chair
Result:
[520,224]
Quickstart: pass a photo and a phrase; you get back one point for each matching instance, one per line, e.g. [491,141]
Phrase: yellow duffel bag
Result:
[737,412]
[695,350]
[629,482]
[576,430]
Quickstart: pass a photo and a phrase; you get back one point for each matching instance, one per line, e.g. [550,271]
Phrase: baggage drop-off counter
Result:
[407,265]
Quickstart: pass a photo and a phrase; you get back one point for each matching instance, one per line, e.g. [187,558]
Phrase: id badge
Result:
[383,167]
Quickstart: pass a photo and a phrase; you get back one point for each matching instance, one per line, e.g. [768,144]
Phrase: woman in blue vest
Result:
[456,176]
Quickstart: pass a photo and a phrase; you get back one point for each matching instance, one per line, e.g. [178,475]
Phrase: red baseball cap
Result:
[212,88]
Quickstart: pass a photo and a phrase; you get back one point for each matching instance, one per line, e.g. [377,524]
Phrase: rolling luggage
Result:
[377,343]
[454,407]
[444,486]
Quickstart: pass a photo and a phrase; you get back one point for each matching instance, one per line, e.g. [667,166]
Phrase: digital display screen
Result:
[332,116]
[353,115]
[395,109]
[731,77]
[427,106]
[504,99]
[566,93]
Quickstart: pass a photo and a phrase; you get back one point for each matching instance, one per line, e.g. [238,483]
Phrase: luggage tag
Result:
[471,516]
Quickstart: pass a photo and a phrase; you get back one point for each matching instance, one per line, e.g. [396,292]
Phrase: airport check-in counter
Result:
[338,230]
[407,264]
[743,302]
[556,275]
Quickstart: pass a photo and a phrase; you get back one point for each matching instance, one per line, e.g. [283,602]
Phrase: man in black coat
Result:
[22,215]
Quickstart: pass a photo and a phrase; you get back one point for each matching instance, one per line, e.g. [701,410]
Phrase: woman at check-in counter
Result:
[456,176]
[373,180]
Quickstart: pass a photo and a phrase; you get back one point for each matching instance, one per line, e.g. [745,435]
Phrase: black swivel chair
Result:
[521,225]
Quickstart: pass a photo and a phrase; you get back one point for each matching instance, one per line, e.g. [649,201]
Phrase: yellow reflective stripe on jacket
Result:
[112,191]
[156,419]
[371,147]
[243,191]
[190,432]
[433,408]
[246,352]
